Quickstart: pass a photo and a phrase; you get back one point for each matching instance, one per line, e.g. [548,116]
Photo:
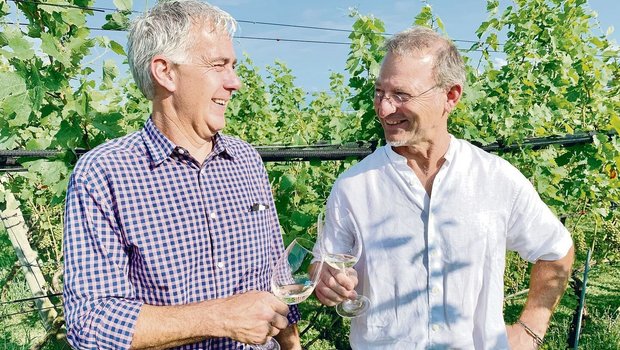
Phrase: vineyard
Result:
[560,83]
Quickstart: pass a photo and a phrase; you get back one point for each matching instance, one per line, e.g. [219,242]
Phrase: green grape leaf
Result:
[19,106]
[123,5]
[19,44]
[117,48]
[12,83]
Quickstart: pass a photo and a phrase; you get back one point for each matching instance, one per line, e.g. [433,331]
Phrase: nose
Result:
[384,107]
[232,82]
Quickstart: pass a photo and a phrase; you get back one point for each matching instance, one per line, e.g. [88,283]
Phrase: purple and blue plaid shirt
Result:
[146,223]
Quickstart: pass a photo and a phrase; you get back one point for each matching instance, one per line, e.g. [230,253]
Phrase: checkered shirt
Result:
[146,223]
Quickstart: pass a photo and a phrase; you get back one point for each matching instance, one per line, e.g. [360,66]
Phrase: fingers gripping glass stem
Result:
[341,247]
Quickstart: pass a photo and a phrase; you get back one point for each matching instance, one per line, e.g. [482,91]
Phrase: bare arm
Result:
[249,318]
[547,284]
[288,338]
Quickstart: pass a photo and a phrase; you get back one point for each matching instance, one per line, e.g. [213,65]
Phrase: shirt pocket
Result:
[251,249]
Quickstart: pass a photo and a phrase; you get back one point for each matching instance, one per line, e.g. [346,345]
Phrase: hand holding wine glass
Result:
[341,247]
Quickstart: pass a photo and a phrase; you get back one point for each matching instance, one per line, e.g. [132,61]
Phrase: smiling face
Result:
[192,90]
[205,83]
[423,117]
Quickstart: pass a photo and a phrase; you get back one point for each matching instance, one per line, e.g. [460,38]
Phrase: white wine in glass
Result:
[291,280]
[341,247]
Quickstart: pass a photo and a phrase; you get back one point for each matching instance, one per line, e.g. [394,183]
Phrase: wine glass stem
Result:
[270,344]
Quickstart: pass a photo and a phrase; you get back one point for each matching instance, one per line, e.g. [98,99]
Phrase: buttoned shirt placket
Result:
[436,319]
[435,265]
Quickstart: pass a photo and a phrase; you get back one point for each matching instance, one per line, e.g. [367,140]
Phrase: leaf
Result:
[615,123]
[123,5]
[110,72]
[424,17]
[108,123]
[117,48]
[601,211]
[20,105]
[74,17]
[609,31]
[38,144]
[287,182]
[116,21]
[11,83]
[22,48]
[51,46]
[68,135]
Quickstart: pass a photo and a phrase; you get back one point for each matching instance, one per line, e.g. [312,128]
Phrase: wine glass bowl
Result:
[292,281]
[341,247]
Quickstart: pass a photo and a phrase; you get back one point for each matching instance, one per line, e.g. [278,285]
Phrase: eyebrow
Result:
[211,60]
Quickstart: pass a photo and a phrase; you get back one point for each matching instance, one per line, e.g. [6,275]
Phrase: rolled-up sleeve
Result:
[100,307]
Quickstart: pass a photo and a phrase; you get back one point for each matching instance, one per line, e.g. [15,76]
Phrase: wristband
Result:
[537,339]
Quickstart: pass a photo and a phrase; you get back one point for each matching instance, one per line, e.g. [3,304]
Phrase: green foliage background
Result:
[559,79]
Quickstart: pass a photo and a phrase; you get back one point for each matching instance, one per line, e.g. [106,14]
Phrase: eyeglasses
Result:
[399,98]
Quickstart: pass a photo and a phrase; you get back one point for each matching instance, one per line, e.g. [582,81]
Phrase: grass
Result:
[600,328]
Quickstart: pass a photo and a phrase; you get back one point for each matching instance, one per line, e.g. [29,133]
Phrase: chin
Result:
[397,143]
[398,140]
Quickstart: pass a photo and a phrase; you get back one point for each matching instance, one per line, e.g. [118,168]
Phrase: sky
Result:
[312,63]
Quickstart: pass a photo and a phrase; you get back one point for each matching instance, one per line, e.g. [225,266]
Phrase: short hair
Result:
[448,68]
[167,29]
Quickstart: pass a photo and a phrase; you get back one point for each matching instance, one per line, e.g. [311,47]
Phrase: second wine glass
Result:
[341,247]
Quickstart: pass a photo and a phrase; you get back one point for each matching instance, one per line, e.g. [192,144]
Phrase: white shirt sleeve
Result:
[533,230]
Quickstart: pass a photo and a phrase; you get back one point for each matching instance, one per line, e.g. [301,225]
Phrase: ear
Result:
[162,70]
[453,97]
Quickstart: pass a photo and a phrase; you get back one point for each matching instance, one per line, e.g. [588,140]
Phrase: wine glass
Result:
[291,279]
[292,282]
[341,247]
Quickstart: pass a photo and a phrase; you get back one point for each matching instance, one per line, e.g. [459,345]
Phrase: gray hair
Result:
[166,29]
[448,68]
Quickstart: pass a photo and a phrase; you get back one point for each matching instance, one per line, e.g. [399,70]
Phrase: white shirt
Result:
[433,267]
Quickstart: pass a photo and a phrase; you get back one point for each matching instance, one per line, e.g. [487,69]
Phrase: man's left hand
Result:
[518,339]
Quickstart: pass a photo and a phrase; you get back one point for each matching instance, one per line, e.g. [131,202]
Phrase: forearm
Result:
[161,327]
[289,338]
[249,318]
[547,284]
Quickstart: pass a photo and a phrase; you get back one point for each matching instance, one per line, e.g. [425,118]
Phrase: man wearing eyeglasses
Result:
[436,216]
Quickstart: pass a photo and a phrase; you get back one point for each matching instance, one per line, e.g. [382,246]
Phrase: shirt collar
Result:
[160,147]
[449,156]
[222,146]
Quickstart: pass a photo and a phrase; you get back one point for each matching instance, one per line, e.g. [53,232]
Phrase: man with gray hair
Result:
[436,216]
[171,232]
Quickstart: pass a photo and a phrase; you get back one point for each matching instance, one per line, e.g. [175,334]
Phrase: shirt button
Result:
[220,265]
[213,215]
[435,290]
[181,151]
[436,327]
